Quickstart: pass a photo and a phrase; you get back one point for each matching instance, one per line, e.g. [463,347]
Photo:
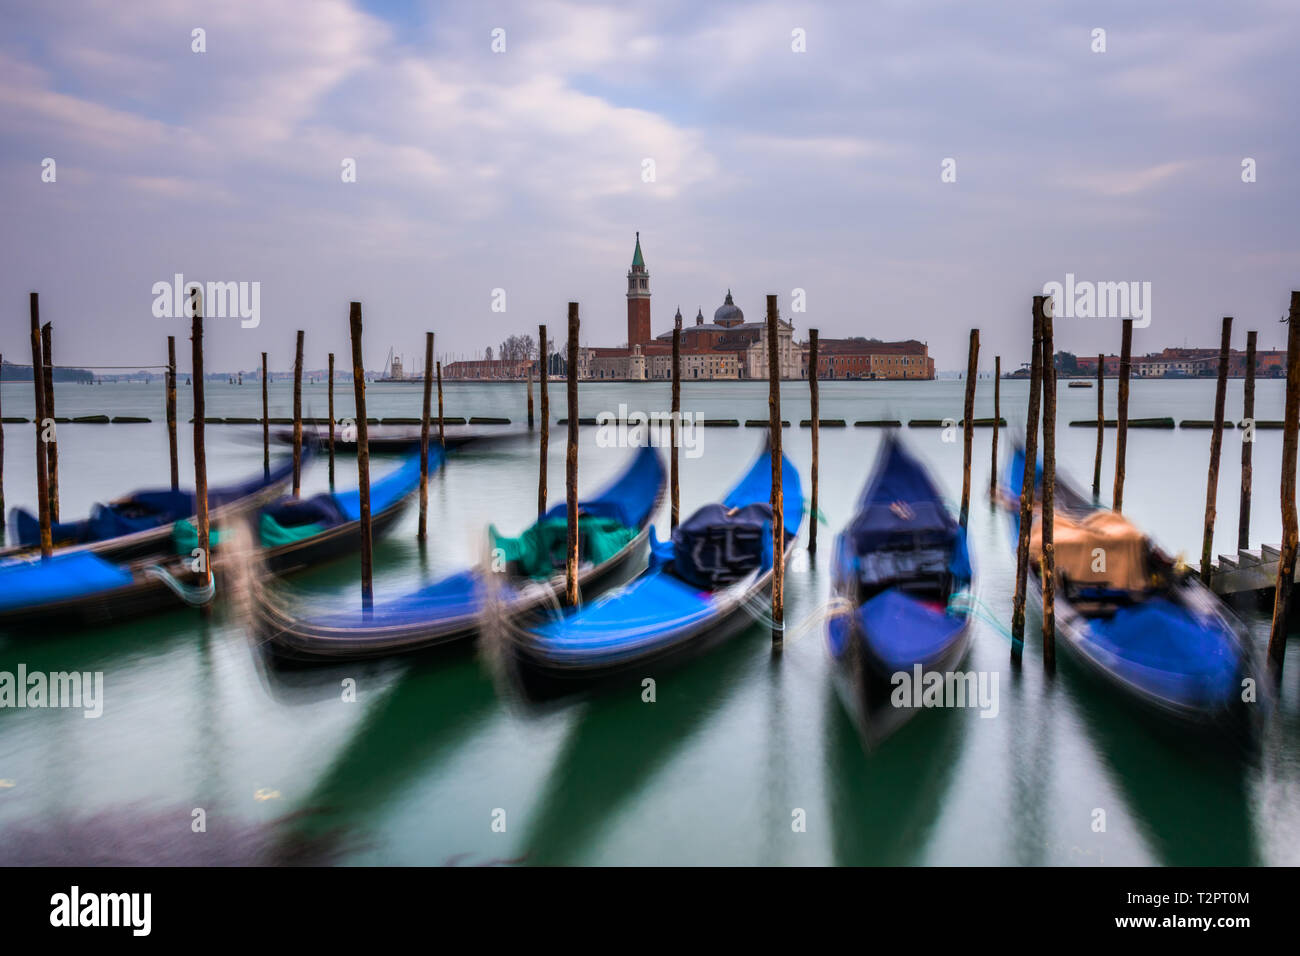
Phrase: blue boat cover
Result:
[900,506]
[32,583]
[904,631]
[630,498]
[1168,651]
[391,488]
[657,606]
[139,511]
[717,546]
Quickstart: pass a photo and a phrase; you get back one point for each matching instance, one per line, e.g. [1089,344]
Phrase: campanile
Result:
[638,300]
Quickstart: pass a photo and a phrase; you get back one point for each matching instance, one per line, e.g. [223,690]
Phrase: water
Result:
[417,769]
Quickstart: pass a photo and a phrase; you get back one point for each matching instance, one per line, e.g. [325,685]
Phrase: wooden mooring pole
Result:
[674,422]
[814,409]
[171,413]
[51,446]
[1121,417]
[330,412]
[1027,486]
[1101,427]
[42,463]
[968,435]
[997,418]
[200,449]
[1048,562]
[1290,537]
[422,531]
[1216,447]
[571,465]
[778,494]
[546,420]
[363,461]
[266,424]
[1247,444]
[297,416]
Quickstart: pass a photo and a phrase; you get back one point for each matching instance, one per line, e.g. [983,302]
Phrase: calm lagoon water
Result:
[416,769]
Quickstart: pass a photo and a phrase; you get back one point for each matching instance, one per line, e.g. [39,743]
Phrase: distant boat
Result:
[1080,383]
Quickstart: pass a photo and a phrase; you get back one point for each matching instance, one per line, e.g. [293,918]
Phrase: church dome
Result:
[728,313]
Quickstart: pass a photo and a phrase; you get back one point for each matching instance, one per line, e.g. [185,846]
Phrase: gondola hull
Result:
[1186,615]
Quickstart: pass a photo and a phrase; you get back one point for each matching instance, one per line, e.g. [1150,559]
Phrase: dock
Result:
[1250,569]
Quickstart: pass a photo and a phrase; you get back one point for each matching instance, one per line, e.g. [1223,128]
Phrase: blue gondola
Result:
[140,524]
[83,587]
[701,587]
[1146,626]
[902,575]
[612,538]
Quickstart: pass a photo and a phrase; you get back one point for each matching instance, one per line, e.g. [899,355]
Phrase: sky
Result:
[795,146]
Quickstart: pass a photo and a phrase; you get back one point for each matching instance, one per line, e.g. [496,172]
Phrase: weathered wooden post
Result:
[266,424]
[297,417]
[42,463]
[814,409]
[1247,445]
[200,449]
[546,420]
[674,421]
[51,446]
[330,412]
[1216,447]
[1121,418]
[972,372]
[422,532]
[1290,537]
[1048,562]
[571,464]
[997,418]
[778,494]
[171,412]
[363,461]
[1101,426]
[1027,485]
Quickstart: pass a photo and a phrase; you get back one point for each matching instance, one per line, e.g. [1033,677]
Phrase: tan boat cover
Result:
[1102,549]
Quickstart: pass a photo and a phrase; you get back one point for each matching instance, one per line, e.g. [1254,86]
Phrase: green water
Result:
[715,769]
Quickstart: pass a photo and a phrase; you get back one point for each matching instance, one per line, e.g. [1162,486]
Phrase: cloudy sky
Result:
[522,170]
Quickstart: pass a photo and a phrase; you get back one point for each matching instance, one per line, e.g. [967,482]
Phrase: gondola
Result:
[702,586]
[901,575]
[1136,618]
[81,587]
[139,525]
[450,609]
[396,439]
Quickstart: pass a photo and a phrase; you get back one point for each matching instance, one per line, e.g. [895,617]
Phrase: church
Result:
[726,348]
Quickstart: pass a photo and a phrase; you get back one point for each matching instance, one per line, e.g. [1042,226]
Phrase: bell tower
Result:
[638,300]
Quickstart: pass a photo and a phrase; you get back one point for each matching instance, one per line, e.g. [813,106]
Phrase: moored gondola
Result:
[82,587]
[611,540]
[140,524]
[902,577]
[1139,620]
[702,586]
